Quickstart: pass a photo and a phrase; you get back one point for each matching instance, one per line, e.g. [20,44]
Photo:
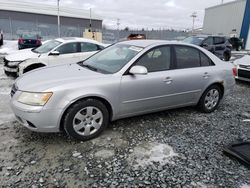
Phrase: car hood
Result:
[22,55]
[49,78]
[245,60]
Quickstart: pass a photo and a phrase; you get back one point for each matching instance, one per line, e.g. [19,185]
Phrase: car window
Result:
[205,61]
[219,40]
[208,41]
[158,59]
[88,47]
[187,57]
[68,48]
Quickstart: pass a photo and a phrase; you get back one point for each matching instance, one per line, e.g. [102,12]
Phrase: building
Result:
[230,19]
[17,17]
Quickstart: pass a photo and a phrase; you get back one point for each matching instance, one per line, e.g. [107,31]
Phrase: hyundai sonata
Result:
[126,79]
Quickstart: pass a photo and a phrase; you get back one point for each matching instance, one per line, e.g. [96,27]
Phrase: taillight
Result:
[38,42]
[235,71]
[20,41]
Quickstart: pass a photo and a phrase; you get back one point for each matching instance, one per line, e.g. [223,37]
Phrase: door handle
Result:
[168,80]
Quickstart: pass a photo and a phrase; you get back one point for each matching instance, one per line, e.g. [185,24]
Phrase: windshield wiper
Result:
[89,67]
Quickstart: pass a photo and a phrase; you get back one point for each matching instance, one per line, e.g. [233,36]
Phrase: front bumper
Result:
[36,118]
[243,74]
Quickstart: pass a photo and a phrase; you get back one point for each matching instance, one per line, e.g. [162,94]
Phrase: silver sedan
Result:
[126,79]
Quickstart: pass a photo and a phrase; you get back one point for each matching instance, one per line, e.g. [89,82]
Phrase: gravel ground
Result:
[175,148]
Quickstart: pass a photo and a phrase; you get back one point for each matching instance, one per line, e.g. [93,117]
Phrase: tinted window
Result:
[208,41]
[187,57]
[67,48]
[219,40]
[205,61]
[88,47]
[158,59]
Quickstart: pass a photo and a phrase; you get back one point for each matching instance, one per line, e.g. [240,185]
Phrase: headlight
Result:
[34,99]
[13,63]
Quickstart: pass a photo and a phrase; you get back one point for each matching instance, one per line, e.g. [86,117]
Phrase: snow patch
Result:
[148,153]
[245,186]
[9,46]
[6,118]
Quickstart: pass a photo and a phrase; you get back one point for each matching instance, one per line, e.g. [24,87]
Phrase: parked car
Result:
[1,37]
[29,40]
[236,42]
[218,45]
[243,68]
[126,79]
[54,52]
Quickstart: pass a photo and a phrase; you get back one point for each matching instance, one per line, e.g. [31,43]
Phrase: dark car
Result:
[236,42]
[218,45]
[1,37]
[29,41]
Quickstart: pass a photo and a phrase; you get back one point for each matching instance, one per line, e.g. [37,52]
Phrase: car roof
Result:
[77,39]
[147,43]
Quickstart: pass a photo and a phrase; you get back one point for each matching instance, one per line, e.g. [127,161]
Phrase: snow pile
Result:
[8,47]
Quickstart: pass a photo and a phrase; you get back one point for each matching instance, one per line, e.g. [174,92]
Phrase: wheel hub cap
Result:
[87,120]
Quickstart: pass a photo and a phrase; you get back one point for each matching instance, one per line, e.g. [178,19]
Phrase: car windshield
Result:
[29,36]
[47,46]
[194,40]
[111,59]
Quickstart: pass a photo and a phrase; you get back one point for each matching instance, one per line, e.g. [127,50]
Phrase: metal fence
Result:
[13,28]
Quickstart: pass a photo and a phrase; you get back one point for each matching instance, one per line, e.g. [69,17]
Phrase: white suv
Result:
[53,52]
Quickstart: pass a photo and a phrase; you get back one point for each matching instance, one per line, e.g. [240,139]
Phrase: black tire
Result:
[203,103]
[77,108]
[226,57]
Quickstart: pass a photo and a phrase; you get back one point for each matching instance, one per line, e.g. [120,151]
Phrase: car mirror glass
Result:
[138,70]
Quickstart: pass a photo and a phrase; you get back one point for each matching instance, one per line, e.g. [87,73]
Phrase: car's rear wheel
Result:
[86,119]
[210,99]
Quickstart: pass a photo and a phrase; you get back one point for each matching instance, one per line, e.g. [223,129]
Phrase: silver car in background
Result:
[126,79]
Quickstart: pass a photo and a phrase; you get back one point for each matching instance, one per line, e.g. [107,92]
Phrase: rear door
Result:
[87,49]
[219,46]
[191,75]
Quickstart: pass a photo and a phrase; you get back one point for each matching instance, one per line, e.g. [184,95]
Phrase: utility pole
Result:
[58,19]
[194,16]
[222,1]
[90,20]
[118,25]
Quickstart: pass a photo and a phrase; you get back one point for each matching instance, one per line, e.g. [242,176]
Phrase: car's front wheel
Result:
[238,48]
[210,99]
[86,119]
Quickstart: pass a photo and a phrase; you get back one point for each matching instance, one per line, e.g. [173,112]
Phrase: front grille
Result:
[245,66]
[244,73]
[13,90]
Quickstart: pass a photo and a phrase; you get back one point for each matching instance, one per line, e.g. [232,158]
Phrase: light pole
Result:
[58,20]
[118,33]
[194,15]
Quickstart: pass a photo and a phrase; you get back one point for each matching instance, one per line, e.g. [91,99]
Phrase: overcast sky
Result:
[145,14]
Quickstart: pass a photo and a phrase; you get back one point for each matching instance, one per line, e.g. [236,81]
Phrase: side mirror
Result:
[54,53]
[204,45]
[138,70]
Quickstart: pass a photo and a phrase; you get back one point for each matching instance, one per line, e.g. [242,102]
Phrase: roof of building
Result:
[45,9]
[225,4]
